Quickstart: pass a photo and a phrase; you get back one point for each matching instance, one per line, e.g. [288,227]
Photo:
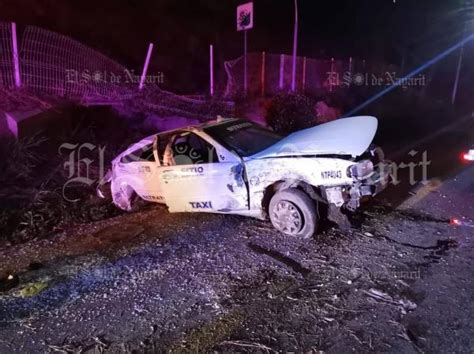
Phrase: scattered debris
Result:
[249,345]
[459,222]
[407,304]
[380,295]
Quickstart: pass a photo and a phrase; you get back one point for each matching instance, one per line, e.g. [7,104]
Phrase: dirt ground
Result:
[399,281]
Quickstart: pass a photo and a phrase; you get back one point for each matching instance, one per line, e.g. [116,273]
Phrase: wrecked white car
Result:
[235,166]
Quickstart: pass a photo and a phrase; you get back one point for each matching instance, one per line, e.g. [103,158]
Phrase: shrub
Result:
[32,176]
[287,113]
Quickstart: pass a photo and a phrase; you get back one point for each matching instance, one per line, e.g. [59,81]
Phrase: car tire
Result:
[294,213]
[126,198]
[136,203]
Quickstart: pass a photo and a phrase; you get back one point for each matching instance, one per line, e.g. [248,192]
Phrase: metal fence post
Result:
[295,47]
[16,58]
[304,74]
[262,75]
[145,67]
[332,75]
[282,71]
[211,70]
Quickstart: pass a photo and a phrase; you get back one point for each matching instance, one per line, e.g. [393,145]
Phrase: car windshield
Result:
[243,137]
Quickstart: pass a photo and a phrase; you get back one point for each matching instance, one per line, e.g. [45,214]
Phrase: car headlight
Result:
[469,156]
[361,170]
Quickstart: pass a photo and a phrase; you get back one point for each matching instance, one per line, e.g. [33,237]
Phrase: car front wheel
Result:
[293,213]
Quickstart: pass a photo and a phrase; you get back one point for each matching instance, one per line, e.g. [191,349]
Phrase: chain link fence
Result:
[6,56]
[268,74]
[60,66]
[63,67]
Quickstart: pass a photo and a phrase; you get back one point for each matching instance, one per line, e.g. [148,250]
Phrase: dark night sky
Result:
[182,30]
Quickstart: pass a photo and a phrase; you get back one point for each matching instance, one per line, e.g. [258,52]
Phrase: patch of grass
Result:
[32,289]
[32,176]
[206,337]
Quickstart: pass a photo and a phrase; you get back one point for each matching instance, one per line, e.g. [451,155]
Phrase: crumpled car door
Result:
[198,180]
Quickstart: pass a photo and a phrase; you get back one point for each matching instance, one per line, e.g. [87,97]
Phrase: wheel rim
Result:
[287,218]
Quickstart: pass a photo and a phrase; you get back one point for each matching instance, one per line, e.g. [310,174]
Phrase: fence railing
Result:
[65,68]
[60,66]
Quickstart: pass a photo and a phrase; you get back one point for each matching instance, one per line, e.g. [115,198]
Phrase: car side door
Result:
[139,170]
[195,177]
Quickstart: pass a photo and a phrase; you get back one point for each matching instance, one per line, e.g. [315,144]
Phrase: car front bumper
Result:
[377,181]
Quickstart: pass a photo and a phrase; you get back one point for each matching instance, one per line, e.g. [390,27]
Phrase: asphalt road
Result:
[444,318]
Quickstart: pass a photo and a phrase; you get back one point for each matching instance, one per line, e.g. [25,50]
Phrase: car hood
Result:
[346,136]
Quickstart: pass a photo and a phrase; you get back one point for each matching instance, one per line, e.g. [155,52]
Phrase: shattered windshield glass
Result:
[245,138]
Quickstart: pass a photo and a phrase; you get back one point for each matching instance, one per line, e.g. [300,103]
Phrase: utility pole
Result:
[295,47]
[245,63]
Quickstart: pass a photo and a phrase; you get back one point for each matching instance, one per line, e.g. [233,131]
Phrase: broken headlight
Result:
[361,170]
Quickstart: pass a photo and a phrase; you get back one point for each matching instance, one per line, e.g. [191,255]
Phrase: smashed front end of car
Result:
[349,167]
[370,175]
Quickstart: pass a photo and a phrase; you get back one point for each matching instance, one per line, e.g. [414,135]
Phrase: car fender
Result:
[315,171]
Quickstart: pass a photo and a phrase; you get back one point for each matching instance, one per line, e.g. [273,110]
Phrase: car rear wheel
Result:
[293,213]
